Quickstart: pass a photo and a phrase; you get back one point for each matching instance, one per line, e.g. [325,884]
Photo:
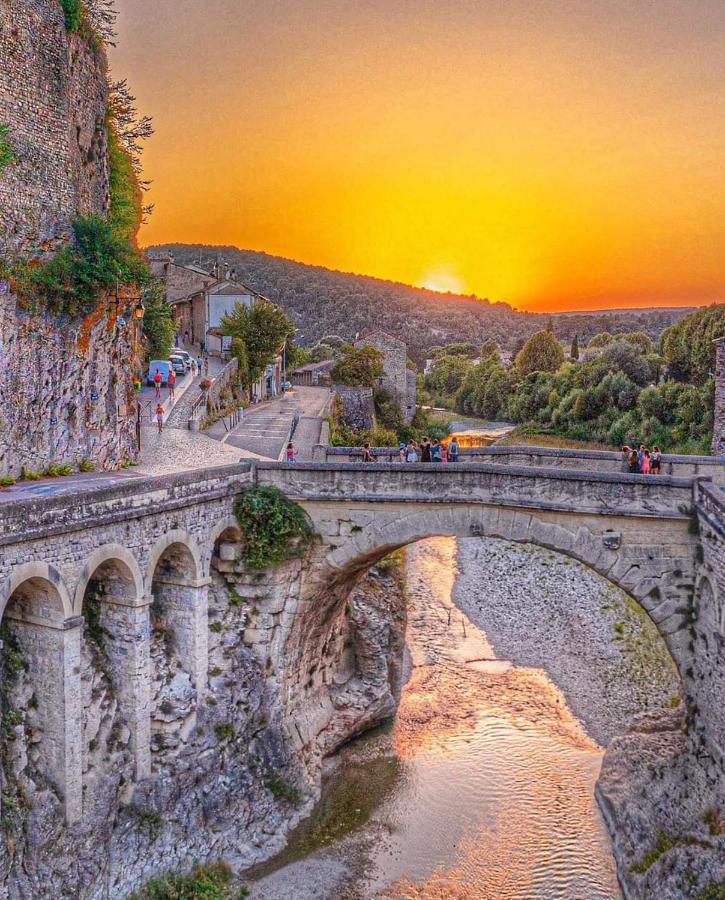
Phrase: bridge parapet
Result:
[95,505]
[549,457]
[485,483]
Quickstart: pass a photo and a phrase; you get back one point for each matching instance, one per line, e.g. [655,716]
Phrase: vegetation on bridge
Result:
[275,528]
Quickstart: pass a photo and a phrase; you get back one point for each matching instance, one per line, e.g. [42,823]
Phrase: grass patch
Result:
[210,882]
[663,843]
[536,437]
[713,892]
[8,481]
[29,474]
[224,731]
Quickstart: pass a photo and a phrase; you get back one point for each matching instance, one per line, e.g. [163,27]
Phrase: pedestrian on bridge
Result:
[171,383]
[160,416]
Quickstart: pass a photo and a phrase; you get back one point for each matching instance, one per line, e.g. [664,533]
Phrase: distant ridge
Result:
[326,302]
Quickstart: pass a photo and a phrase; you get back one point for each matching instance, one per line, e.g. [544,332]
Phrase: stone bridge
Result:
[121,556]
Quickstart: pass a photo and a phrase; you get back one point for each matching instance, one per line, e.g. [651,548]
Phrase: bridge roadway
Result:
[132,541]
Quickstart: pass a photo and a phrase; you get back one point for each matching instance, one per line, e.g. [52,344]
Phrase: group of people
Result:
[642,461]
[428,451]
[198,364]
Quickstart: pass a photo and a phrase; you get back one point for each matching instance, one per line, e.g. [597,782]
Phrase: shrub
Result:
[211,882]
[74,13]
[72,282]
[275,528]
[283,790]
[29,475]
[7,481]
[224,731]
[358,367]
[86,465]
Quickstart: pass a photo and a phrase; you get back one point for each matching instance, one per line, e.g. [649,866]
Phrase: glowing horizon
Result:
[553,157]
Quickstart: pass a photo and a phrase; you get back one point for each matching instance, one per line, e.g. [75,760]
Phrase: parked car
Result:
[163,366]
[177,351]
[178,364]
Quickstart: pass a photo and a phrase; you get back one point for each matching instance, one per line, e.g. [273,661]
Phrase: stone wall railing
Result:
[578,460]
[486,483]
[210,401]
[94,506]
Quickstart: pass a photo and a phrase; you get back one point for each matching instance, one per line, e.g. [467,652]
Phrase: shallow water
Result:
[483,787]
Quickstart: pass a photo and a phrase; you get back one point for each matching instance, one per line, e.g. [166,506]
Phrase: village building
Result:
[397,379]
[316,374]
[200,300]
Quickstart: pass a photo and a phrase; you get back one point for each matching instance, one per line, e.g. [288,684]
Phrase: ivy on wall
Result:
[275,528]
[75,14]
[7,153]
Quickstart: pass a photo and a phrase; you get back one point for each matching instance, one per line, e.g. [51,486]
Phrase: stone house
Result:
[397,378]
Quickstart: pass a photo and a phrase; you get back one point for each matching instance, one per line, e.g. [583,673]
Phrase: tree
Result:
[158,321]
[262,330]
[358,367]
[447,375]
[574,354]
[688,346]
[541,353]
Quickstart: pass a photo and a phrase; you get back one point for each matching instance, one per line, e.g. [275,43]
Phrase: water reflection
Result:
[484,787]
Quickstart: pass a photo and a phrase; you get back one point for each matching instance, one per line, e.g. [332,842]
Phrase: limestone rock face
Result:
[65,388]
[664,805]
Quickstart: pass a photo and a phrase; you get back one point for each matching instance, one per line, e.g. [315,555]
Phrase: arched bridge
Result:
[109,552]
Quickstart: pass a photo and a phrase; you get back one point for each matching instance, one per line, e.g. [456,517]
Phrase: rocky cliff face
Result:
[232,773]
[65,389]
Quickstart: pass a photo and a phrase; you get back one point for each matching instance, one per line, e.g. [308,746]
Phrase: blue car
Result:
[163,367]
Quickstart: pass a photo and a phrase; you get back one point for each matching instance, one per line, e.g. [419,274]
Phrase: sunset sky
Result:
[555,154]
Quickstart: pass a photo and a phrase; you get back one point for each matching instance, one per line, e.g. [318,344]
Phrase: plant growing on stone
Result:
[275,528]
[283,790]
[211,882]
[7,153]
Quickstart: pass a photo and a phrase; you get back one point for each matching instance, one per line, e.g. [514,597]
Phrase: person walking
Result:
[655,461]
[171,384]
[290,453]
[158,381]
[160,416]
[199,363]
[453,451]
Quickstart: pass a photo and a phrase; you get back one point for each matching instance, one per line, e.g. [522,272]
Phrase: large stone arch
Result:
[654,583]
[117,555]
[167,541]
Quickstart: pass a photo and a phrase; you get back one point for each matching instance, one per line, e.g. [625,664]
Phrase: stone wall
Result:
[65,390]
[718,437]
[65,394]
[354,406]
[53,97]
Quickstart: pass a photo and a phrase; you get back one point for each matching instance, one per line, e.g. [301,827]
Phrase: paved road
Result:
[266,428]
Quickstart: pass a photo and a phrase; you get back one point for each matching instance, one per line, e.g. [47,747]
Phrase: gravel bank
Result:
[544,610]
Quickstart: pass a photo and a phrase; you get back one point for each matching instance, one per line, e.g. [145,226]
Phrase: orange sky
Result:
[555,154]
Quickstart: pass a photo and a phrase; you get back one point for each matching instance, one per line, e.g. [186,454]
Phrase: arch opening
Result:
[113,665]
[178,646]
[38,681]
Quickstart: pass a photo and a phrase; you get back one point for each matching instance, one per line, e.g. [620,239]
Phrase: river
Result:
[482,788]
